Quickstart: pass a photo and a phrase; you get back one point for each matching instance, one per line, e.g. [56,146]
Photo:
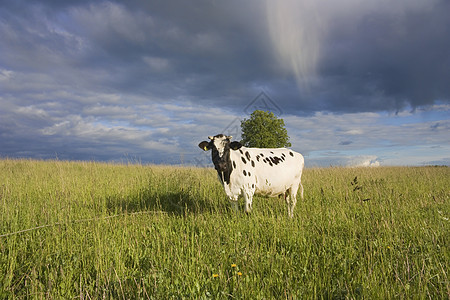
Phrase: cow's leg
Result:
[287,198]
[248,197]
[292,199]
[301,189]
[234,203]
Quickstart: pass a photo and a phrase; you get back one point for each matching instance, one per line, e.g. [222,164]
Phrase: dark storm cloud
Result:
[205,52]
[390,58]
[220,53]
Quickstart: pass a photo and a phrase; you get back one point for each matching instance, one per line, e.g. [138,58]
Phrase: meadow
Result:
[92,230]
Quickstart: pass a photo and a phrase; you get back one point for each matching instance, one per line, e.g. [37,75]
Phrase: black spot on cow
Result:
[249,174]
[257,157]
[241,151]
[270,163]
[275,160]
[271,152]
[283,155]
[247,155]
[291,154]
[253,185]
[262,155]
[234,164]
[245,173]
[253,164]
[243,160]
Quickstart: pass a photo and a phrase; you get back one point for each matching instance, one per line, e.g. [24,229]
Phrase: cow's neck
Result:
[223,165]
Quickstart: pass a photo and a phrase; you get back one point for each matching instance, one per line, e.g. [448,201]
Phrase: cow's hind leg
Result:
[301,189]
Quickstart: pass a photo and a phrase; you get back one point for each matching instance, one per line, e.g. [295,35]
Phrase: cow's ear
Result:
[235,145]
[204,146]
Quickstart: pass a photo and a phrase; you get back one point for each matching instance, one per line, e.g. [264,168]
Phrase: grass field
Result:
[159,232]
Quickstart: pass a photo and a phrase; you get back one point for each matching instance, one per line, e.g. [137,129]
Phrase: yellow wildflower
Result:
[215,275]
[233,265]
[239,273]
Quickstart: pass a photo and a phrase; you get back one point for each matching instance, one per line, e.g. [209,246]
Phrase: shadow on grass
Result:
[173,203]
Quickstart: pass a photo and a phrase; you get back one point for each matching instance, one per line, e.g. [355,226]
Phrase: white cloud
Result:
[368,139]
[354,132]
[364,161]
[5,75]
[157,63]
[31,111]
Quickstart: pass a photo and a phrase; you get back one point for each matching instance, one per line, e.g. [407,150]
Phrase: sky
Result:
[357,83]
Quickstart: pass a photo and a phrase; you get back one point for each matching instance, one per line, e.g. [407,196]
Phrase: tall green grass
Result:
[157,232]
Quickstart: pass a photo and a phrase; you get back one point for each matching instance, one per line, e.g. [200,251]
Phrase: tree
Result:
[264,130]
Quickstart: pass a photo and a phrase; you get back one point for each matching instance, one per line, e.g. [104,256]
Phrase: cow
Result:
[264,171]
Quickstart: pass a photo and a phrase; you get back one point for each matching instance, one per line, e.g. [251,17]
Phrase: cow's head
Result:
[220,146]
[220,143]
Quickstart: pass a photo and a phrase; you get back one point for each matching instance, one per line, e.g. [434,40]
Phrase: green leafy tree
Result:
[264,130]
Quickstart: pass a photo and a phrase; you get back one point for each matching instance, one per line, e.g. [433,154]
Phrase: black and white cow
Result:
[247,171]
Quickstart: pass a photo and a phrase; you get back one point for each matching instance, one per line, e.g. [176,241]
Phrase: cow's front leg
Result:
[234,203]
[248,197]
